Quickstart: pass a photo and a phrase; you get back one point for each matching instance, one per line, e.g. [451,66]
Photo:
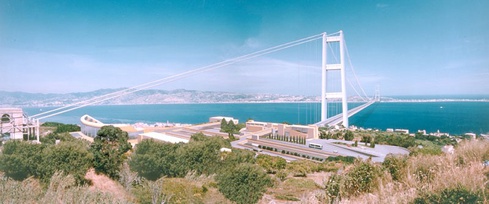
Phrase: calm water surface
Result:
[451,117]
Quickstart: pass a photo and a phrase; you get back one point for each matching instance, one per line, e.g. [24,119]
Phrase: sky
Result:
[419,47]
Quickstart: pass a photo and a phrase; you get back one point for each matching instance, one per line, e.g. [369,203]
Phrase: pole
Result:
[324,106]
[343,82]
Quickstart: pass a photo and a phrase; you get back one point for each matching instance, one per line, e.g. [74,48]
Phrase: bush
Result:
[108,150]
[396,166]
[244,184]
[347,159]
[362,178]
[270,163]
[282,175]
[333,188]
[450,195]
[20,160]
[349,135]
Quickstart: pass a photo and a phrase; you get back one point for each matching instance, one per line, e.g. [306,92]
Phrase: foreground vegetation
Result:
[199,172]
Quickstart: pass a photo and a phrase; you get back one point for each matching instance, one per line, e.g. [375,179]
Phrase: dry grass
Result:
[433,174]
[61,189]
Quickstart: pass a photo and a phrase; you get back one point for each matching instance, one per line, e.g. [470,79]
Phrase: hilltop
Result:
[153,96]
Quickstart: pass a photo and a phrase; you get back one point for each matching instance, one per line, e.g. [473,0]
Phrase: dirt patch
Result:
[103,184]
[319,177]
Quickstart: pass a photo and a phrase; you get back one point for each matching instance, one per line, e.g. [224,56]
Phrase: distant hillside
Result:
[22,99]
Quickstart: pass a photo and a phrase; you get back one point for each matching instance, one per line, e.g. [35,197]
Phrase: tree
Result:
[69,157]
[108,150]
[349,135]
[224,125]
[20,159]
[270,163]
[232,127]
[153,159]
[244,184]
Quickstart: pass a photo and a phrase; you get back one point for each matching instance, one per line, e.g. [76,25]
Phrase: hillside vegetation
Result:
[108,171]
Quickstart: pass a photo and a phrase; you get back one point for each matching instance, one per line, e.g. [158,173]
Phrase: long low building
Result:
[307,131]
[161,137]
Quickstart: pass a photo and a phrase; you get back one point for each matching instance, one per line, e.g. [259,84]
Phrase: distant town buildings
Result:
[439,134]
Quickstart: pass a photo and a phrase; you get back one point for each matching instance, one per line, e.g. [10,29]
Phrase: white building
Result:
[219,119]
[161,137]
[14,124]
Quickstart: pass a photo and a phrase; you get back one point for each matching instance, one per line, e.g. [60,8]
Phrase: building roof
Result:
[164,137]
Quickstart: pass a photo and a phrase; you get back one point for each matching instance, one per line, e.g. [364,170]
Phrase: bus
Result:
[315,146]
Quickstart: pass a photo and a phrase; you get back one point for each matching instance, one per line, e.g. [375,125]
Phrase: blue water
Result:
[451,117]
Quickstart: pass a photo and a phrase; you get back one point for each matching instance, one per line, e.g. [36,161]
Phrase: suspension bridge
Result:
[331,66]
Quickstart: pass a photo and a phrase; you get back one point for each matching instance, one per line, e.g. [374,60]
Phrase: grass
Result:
[434,175]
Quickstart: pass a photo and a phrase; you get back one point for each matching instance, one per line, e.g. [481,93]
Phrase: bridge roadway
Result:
[337,119]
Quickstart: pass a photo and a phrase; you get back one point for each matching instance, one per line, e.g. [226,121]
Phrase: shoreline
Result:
[269,102]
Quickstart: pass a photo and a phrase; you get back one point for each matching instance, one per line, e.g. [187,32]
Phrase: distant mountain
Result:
[22,99]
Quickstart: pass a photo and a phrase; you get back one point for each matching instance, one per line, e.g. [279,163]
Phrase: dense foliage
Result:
[458,194]
[20,159]
[243,184]
[108,150]
[270,163]
[400,140]
[231,128]
[396,166]
[154,159]
[60,127]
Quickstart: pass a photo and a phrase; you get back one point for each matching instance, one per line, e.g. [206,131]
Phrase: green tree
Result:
[396,166]
[202,157]
[69,157]
[372,144]
[362,178]
[232,127]
[244,184]
[349,135]
[20,159]
[153,159]
[236,157]
[224,125]
[270,163]
[108,150]
[51,138]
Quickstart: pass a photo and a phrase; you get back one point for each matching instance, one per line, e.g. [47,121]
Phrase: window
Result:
[5,118]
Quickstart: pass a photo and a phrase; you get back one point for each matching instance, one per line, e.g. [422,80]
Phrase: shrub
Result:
[450,195]
[396,166]
[362,178]
[347,159]
[333,188]
[282,175]
[108,150]
[244,184]
[270,163]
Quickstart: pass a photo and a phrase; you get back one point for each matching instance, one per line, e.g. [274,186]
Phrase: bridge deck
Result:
[337,119]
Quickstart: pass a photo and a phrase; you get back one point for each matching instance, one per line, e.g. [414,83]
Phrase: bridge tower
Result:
[326,93]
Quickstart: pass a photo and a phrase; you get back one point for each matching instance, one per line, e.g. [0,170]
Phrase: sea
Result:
[453,117]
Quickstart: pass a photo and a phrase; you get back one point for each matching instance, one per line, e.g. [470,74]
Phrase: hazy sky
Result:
[405,47]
